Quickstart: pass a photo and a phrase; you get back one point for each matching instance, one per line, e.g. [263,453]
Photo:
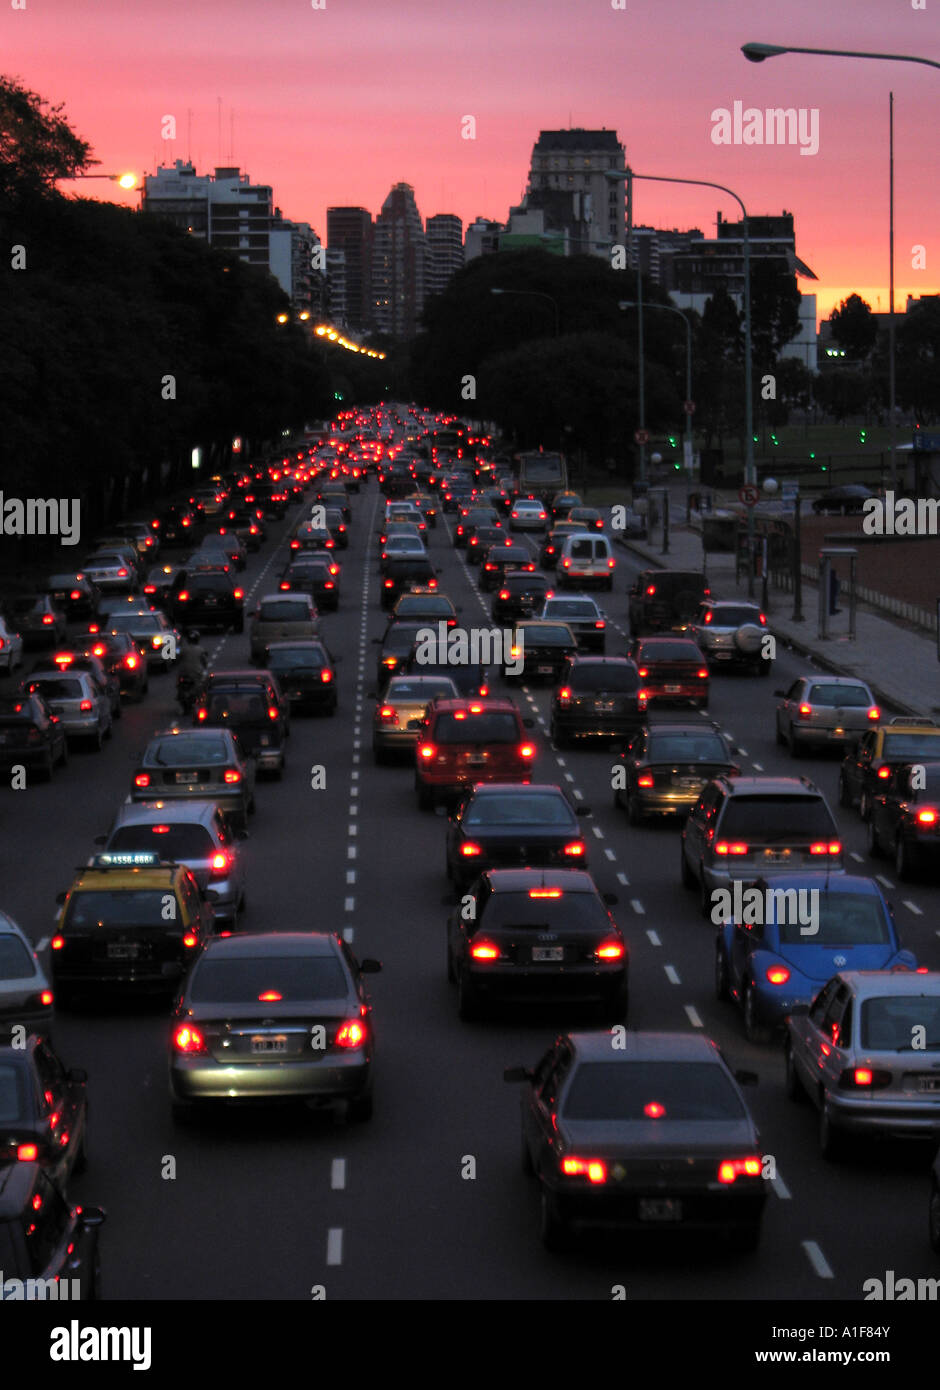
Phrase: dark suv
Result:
[401,572]
[662,599]
[251,704]
[207,598]
[744,827]
[29,735]
[598,695]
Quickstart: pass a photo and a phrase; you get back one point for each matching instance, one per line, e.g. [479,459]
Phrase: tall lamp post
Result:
[627,176]
[757,53]
[538,294]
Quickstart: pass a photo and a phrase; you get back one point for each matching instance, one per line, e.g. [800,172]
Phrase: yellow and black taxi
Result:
[43,1110]
[905,821]
[869,768]
[129,920]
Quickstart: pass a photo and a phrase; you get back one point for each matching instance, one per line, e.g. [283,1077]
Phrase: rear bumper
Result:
[327,1079]
[556,983]
[606,1209]
[898,1120]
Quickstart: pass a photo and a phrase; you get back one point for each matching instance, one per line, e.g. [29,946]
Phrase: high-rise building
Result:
[482,238]
[444,234]
[399,264]
[567,180]
[335,309]
[349,231]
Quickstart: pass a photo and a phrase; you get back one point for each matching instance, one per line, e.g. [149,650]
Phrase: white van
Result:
[586,558]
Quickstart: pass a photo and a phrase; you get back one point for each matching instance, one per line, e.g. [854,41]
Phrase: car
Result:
[426,505]
[552,542]
[130,920]
[402,574]
[245,521]
[120,655]
[773,958]
[672,671]
[336,525]
[26,996]
[395,646]
[11,647]
[29,735]
[731,633]
[76,702]
[200,764]
[664,767]
[306,672]
[582,615]
[824,711]
[586,559]
[537,934]
[113,571]
[905,820]
[157,641]
[846,500]
[401,547]
[273,1016]
[588,518]
[464,742]
[651,1136]
[178,524]
[741,827]
[501,558]
[281,617]
[522,594]
[400,711]
[480,539]
[472,516]
[870,767]
[217,544]
[316,575]
[431,608]
[597,697]
[193,833]
[630,524]
[113,605]
[562,504]
[527,514]
[207,598]
[503,824]
[158,584]
[74,593]
[661,600]
[43,1110]
[254,711]
[45,1243]
[544,648]
[123,548]
[35,619]
[852,1052]
[71,660]
[472,679]
[141,535]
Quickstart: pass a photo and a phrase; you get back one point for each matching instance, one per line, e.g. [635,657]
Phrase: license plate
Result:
[603,706]
[210,600]
[543,670]
[928,1083]
[771,858]
[265,740]
[475,762]
[119,950]
[672,689]
[60,593]
[267,1045]
[548,952]
[688,783]
[659,1209]
[186,777]
[721,656]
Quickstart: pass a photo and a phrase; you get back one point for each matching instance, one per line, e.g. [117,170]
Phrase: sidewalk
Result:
[900,665]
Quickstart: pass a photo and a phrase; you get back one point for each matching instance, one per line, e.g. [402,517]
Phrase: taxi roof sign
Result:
[126,859]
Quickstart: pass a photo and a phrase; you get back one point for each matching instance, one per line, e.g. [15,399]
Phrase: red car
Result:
[672,671]
[466,741]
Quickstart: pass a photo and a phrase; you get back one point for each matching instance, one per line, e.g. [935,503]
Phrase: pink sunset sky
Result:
[332,102]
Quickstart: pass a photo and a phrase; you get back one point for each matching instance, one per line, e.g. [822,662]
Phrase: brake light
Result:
[469,850]
[239,593]
[160,830]
[610,950]
[575,849]
[93,628]
[76,593]
[611,562]
[527,750]
[778,974]
[870,1078]
[484,691]
[232,776]
[150,588]
[591,1168]
[805,711]
[484,950]
[57,943]
[824,847]
[504,593]
[189,1039]
[650,590]
[928,817]
[389,584]
[600,624]
[564,695]
[426,750]
[643,671]
[545,892]
[273,711]
[884,773]
[156,641]
[733,1168]
[27,1153]
[730,847]
[874,713]
[122,574]
[326,676]
[183,596]
[202,713]
[350,1034]
[190,939]
[86,706]
[142,779]
[389,714]
[645,779]
[46,998]
[284,586]
[48,619]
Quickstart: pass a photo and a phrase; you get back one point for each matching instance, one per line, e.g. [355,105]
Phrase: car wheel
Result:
[556,1233]
[468,1002]
[45,771]
[745,1237]
[864,805]
[117,712]
[97,740]
[756,1031]
[528,1167]
[359,1109]
[934,1216]
[63,758]
[722,983]
[905,863]
[874,845]
[794,744]
[688,878]
[560,740]
[830,1138]
[792,1085]
[844,797]
[451,968]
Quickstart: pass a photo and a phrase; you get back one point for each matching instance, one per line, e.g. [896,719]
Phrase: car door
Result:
[858,765]
[791,701]
[543,1097]
[699,829]
[62,1106]
[746,939]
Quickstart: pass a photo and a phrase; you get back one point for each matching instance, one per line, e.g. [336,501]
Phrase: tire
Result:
[555,1232]
[634,814]
[722,980]
[704,897]
[688,878]
[45,772]
[794,745]
[755,1031]
[905,862]
[792,1085]
[874,845]
[781,737]
[933,1216]
[560,740]
[117,712]
[97,741]
[451,969]
[864,805]
[830,1138]
[844,797]
[359,1109]
[468,1003]
[746,1237]
[63,758]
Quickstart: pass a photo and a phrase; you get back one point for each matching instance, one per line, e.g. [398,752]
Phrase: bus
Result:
[541,474]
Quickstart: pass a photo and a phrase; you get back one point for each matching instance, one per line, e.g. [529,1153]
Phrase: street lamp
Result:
[671,309]
[757,52]
[538,294]
[627,175]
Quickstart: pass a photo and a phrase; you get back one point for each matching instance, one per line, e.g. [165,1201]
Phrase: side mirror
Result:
[242,835]
[782,694]
[376,641]
[528,723]
[611,899]
[92,1217]
[210,895]
[77,1074]
[517,1074]
[370,966]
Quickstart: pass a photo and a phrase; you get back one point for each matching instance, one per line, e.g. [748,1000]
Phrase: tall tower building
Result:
[567,181]
[399,264]
[445,250]
[349,232]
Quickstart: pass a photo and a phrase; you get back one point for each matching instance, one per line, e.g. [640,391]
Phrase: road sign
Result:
[926,443]
[642,436]
[749,495]
[689,407]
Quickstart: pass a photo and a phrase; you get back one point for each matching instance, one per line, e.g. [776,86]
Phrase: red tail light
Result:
[239,593]
[484,950]
[868,1078]
[600,624]
[122,574]
[388,715]
[610,950]
[805,711]
[57,943]
[574,849]
[273,711]
[150,588]
[709,616]
[389,584]
[189,1039]
[504,593]
[611,563]
[326,676]
[190,939]
[927,817]
[202,713]
[284,586]
[650,591]
[594,1169]
[219,864]
[469,850]
[645,779]
[46,998]
[826,847]
[527,750]
[183,596]
[874,714]
[732,1168]
[643,671]
[142,779]
[426,751]
[702,673]
[884,773]
[27,1153]
[730,847]
[232,776]
[48,619]
[76,593]
[778,974]
[86,706]
[564,695]
[351,1034]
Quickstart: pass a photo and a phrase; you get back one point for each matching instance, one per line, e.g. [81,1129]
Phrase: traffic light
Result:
[862,435]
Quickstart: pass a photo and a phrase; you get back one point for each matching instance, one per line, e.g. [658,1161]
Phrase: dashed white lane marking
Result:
[692,1015]
[353,809]
[334,1246]
[653,936]
[348,935]
[43,942]
[350,876]
[758,767]
[622,879]
[885,882]
[351,852]
[856,857]
[610,855]
[672,974]
[353,791]
[578,795]
[780,1188]
[354,774]
[569,776]
[338,1174]
[637,906]
[349,904]
[561,762]
[912,907]
[352,830]
[817,1259]
[598,832]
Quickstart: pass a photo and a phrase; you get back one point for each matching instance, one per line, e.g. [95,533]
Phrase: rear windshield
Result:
[58,688]
[777,818]
[733,615]
[139,907]
[63,581]
[401,639]
[622,1090]
[846,696]
[844,919]
[526,583]
[546,636]
[572,608]
[292,977]
[586,549]
[671,651]
[187,751]
[16,963]
[170,841]
[209,583]
[419,690]
[12,1094]
[900,746]
[137,622]
[568,912]
[283,612]
[888,1023]
[308,659]
[520,808]
[237,706]
[694,748]
[622,678]
[497,727]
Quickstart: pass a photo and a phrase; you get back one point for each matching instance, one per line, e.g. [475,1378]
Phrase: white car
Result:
[11,648]
[25,990]
[528,514]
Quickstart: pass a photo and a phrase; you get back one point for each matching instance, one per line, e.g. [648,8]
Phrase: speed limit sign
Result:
[749,495]
[642,436]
